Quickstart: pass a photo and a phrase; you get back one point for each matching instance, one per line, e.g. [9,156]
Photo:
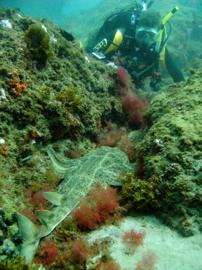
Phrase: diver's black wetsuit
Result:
[140,62]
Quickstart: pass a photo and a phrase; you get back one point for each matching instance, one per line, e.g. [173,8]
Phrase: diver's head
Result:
[147,29]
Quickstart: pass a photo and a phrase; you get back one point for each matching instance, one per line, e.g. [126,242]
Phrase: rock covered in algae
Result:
[170,160]
[18,263]
[66,99]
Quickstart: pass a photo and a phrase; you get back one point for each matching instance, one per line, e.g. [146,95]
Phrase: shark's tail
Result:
[30,237]
[30,233]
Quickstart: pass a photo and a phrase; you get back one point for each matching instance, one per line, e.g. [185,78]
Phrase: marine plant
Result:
[36,199]
[17,263]
[96,208]
[80,251]
[71,100]
[132,104]
[4,150]
[67,230]
[141,194]
[127,146]
[147,262]
[105,201]
[85,216]
[110,138]
[38,44]
[48,252]
[123,77]
[113,136]
[135,108]
[124,82]
[133,239]
[112,265]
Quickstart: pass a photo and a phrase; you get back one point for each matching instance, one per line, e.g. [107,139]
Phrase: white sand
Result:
[174,252]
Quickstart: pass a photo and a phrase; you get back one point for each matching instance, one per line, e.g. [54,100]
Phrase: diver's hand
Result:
[111,64]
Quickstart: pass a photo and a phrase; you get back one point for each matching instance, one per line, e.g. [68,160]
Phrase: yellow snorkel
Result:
[160,45]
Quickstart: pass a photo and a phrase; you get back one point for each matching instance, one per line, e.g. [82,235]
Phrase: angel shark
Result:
[102,165]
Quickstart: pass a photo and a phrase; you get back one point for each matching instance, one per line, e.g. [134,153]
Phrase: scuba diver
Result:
[136,39]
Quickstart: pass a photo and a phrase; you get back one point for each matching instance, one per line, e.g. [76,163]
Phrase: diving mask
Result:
[146,36]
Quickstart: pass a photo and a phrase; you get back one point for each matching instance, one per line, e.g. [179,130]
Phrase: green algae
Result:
[143,195]
[17,264]
[170,157]
[38,44]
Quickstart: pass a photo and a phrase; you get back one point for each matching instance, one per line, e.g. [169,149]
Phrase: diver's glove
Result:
[112,64]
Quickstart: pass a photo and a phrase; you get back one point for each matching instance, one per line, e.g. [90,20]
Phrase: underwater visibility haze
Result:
[100,135]
[58,11]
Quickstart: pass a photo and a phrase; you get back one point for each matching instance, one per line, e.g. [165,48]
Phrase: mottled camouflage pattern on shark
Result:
[102,165]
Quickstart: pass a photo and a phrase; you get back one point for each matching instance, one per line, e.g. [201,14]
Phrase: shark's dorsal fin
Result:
[53,197]
[44,216]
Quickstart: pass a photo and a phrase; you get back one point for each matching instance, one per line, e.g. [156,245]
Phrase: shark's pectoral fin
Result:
[53,197]
[44,216]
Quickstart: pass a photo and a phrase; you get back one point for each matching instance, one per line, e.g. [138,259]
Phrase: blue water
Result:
[55,10]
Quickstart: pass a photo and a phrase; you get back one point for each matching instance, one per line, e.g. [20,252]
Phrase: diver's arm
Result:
[172,68]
